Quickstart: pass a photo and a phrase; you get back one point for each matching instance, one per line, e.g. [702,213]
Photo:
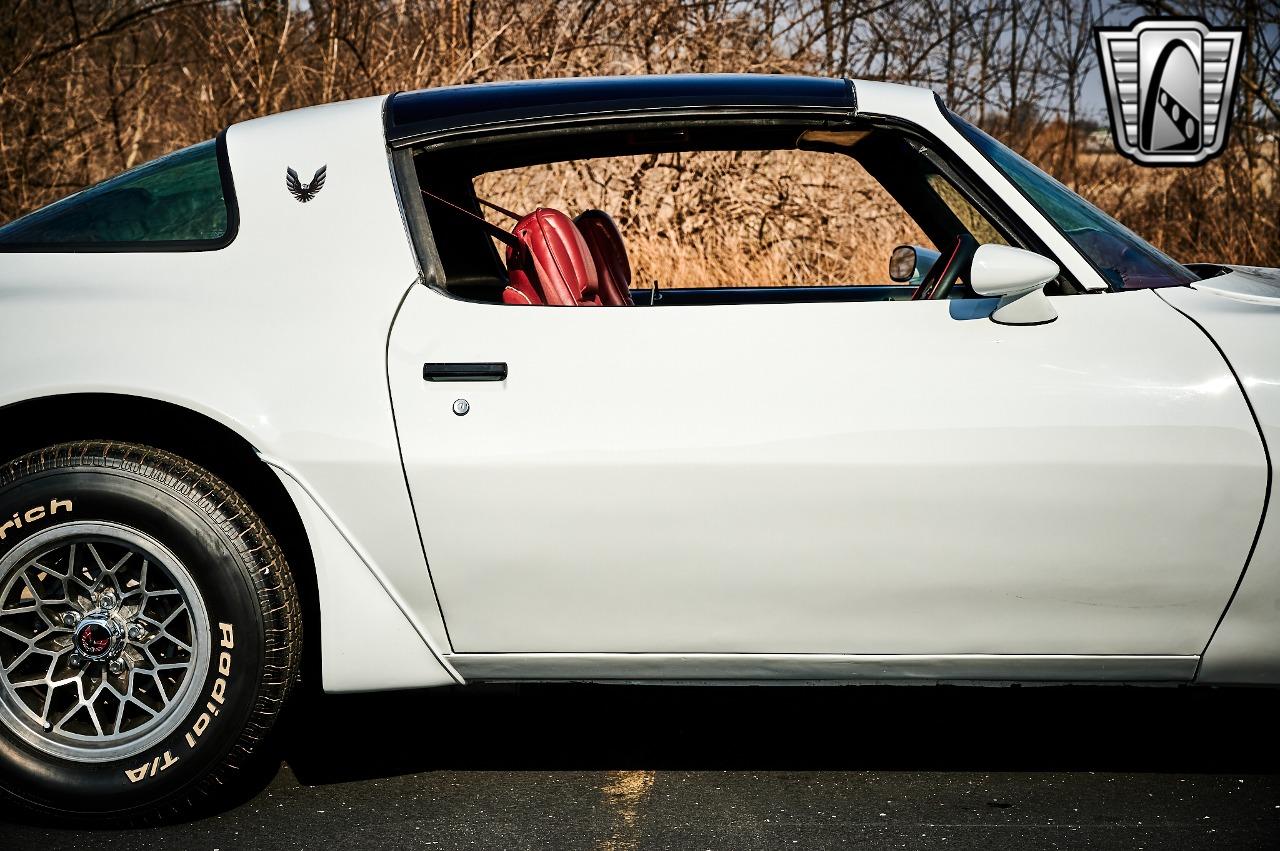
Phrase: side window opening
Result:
[720,219]
[706,214]
[181,201]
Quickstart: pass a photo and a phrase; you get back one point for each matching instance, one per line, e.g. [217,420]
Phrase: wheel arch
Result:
[33,423]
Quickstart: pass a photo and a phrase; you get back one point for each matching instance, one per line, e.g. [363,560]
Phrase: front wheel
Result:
[150,631]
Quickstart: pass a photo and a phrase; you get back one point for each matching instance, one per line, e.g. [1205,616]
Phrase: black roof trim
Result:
[414,116]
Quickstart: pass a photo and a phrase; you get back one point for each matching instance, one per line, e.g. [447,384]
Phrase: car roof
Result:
[414,116]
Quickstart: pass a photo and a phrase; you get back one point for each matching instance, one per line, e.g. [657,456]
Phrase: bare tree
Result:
[89,87]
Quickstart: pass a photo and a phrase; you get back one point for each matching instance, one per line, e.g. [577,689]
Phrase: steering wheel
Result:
[942,276]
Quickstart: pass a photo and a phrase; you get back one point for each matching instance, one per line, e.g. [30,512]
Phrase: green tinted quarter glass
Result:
[177,198]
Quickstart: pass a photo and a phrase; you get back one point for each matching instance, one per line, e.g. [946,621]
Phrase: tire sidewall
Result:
[226,691]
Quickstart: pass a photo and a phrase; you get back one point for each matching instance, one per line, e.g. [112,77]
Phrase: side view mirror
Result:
[910,263]
[1017,277]
[902,263]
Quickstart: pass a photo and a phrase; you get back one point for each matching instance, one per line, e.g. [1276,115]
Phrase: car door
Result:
[860,478]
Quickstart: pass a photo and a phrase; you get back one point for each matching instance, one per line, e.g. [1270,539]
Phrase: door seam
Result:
[1266,495]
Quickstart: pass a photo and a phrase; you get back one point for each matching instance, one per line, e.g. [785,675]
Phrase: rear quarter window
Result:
[181,201]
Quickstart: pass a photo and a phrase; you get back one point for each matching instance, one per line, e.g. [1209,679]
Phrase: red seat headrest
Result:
[552,265]
[604,241]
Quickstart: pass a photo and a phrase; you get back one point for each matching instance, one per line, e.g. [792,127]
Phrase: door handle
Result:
[464,371]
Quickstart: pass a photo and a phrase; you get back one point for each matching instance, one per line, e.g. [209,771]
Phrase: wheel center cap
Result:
[98,637]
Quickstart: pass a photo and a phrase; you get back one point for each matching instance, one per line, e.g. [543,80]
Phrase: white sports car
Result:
[296,379]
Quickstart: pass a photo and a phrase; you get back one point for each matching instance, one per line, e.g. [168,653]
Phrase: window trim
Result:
[981,195]
[151,246]
[413,208]
[963,179]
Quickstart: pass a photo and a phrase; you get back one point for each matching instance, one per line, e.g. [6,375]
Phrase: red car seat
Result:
[604,241]
[552,264]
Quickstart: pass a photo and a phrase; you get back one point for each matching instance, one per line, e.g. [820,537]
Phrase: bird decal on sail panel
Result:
[304,192]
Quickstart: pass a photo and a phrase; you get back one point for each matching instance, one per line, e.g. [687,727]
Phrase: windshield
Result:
[1124,258]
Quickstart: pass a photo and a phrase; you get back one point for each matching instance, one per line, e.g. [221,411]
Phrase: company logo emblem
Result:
[1170,83]
[94,639]
[304,192]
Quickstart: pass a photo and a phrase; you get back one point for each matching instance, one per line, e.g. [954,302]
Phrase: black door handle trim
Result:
[464,371]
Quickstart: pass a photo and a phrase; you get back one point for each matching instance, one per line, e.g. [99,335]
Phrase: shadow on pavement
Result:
[743,767]
[341,738]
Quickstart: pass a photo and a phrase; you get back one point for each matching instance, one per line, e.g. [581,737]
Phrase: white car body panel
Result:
[1246,283]
[1153,452]
[310,289]
[361,611]
[1233,309]
[819,478]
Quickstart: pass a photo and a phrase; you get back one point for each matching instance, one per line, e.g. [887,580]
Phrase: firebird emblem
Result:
[304,192]
[94,639]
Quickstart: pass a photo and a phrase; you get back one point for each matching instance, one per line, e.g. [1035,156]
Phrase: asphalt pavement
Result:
[624,768]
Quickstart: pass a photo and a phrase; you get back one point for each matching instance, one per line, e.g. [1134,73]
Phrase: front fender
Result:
[369,639]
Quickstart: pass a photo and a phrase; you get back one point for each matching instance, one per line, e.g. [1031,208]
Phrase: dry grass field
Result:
[1195,214]
[713,218]
[92,87]
[791,218]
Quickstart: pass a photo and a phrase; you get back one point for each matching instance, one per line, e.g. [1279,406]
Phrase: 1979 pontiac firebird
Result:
[296,380]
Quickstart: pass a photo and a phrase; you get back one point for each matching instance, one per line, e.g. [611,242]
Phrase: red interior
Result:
[552,264]
[604,241]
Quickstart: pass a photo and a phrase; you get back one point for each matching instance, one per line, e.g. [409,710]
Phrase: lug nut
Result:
[108,600]
[76,660]
[116,666]
[70,619]
[136,632]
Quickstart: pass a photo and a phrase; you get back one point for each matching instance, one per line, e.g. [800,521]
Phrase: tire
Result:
[180,620]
